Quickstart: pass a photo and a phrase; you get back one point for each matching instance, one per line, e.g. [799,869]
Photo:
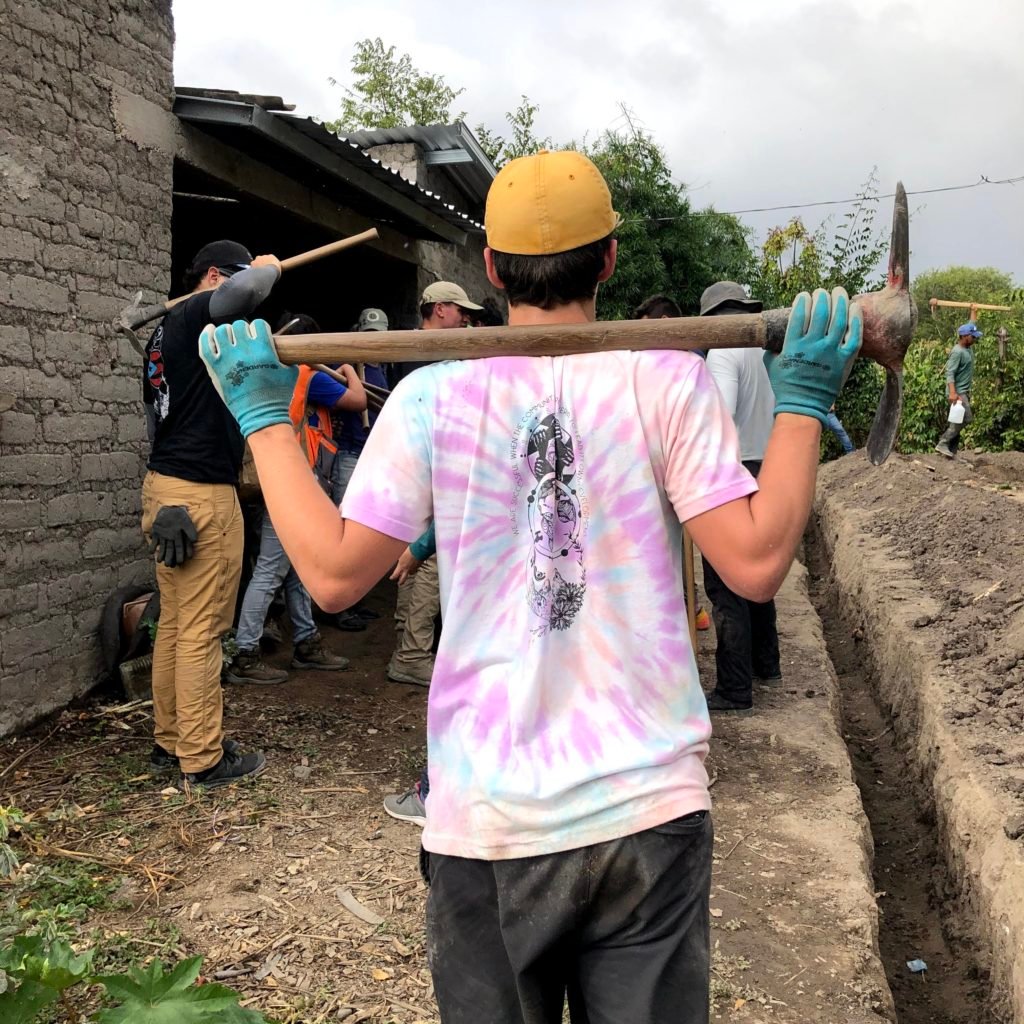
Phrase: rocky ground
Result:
[299,891]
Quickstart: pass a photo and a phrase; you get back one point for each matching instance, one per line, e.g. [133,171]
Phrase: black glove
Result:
[174,536]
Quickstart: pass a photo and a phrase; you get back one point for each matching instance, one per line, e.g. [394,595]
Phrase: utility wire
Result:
[982,180]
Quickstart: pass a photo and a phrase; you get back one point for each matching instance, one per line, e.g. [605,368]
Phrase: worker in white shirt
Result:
[748,643]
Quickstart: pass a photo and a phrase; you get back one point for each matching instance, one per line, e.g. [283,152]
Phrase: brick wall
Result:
[85,220]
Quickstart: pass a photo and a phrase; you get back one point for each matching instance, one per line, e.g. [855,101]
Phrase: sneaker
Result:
[718,703]
[404,675]
[702,620]
[161,762]
[231,768]
[311,653]
[407,806]
[248,667]
[943,449]
[349,622]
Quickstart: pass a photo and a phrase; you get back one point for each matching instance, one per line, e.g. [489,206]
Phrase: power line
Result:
[982,180]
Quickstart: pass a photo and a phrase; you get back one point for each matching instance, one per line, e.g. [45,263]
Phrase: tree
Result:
[524,140]
[664,245]
[389,92]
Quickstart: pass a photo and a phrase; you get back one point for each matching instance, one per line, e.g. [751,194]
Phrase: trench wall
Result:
[85,220]
[876,590]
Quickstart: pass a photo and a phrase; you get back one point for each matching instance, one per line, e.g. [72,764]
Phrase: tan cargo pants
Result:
[419,601]
[197,601]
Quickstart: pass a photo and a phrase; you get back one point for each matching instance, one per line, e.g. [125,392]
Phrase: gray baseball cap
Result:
[727,293]
[372,319]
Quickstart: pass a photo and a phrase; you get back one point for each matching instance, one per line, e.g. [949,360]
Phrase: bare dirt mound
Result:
[926,562]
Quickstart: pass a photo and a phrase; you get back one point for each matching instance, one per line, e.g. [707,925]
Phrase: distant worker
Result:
[835,424]
[748,643]
[959,378]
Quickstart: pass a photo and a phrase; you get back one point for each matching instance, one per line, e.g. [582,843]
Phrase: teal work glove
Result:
[243,365]
[823,337]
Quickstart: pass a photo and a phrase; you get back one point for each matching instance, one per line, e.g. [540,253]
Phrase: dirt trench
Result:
[916,573]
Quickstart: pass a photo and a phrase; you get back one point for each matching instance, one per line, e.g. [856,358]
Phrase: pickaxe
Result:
[890,317]
[133,317]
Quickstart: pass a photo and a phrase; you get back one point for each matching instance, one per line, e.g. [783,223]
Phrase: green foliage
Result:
[10,819]
[523,140]
[998,391]
[36,973]
[389,92]
[664,245]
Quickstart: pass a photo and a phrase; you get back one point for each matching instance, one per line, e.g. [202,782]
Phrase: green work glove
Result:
[243,365]
[173,536]
[823,337]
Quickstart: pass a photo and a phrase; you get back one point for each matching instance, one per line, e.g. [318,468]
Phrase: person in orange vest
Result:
[315,396]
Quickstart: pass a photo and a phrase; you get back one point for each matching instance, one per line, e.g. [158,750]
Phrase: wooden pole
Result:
[690,582]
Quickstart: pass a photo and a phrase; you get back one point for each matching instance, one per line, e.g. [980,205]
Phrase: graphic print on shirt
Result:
[156,375]
[556,575]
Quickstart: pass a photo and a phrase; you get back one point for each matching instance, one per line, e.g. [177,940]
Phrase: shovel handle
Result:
[329,249]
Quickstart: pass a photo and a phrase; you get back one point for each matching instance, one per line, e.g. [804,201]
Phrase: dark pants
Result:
[951,438]
[748,642]
[622,928]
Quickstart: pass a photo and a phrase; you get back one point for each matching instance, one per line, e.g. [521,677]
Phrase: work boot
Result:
[232,767]
[943,449]
[419,676]
[248,667]
[350,621]
[717,703]
[311,653]
[407,806]
[161,762]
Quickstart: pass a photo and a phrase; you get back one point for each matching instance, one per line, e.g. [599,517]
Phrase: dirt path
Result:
[254,878]
[924,564]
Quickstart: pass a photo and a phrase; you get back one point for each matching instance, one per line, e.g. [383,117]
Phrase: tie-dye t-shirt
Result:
[565,708]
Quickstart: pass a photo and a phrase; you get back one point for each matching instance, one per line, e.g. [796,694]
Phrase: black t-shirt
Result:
[195,436]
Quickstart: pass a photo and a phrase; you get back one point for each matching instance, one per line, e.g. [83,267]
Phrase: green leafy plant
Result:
[10,819]
[35,974]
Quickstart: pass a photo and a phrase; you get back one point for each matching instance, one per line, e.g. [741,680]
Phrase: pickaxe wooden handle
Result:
[135,316]
[889,320]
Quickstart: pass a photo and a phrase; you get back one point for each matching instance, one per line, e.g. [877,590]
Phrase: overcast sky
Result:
[757,104]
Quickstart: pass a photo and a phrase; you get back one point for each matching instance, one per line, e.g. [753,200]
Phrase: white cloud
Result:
[757,105]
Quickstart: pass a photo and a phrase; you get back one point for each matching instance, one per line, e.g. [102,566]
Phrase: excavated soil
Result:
[923,564]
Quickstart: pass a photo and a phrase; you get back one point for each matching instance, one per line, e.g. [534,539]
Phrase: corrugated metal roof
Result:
[471,179]
[305,149]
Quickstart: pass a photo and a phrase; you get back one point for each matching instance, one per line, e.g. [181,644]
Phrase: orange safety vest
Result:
[316,439]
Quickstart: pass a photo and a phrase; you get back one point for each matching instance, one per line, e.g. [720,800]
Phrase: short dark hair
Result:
[556,280]
[427,310]
[656,307]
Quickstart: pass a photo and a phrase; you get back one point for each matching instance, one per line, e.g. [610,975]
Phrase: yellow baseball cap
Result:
[548,203]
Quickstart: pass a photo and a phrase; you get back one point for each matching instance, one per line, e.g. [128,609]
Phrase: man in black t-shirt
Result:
[191,516]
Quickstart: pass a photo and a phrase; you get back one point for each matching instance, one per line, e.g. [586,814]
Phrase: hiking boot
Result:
[716,703]
[161,762]
[407,806]
[231,768]
[311,653]
[416,677]
[272,636]
[943,449]
[367,614]
[349,622]
[248,667]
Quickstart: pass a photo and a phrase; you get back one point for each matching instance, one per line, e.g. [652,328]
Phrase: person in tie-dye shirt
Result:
[568,833]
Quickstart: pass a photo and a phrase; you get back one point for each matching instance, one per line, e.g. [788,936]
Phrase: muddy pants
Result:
[197,600]
[748,641]
[622,928]
[951,438]
[419,601]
